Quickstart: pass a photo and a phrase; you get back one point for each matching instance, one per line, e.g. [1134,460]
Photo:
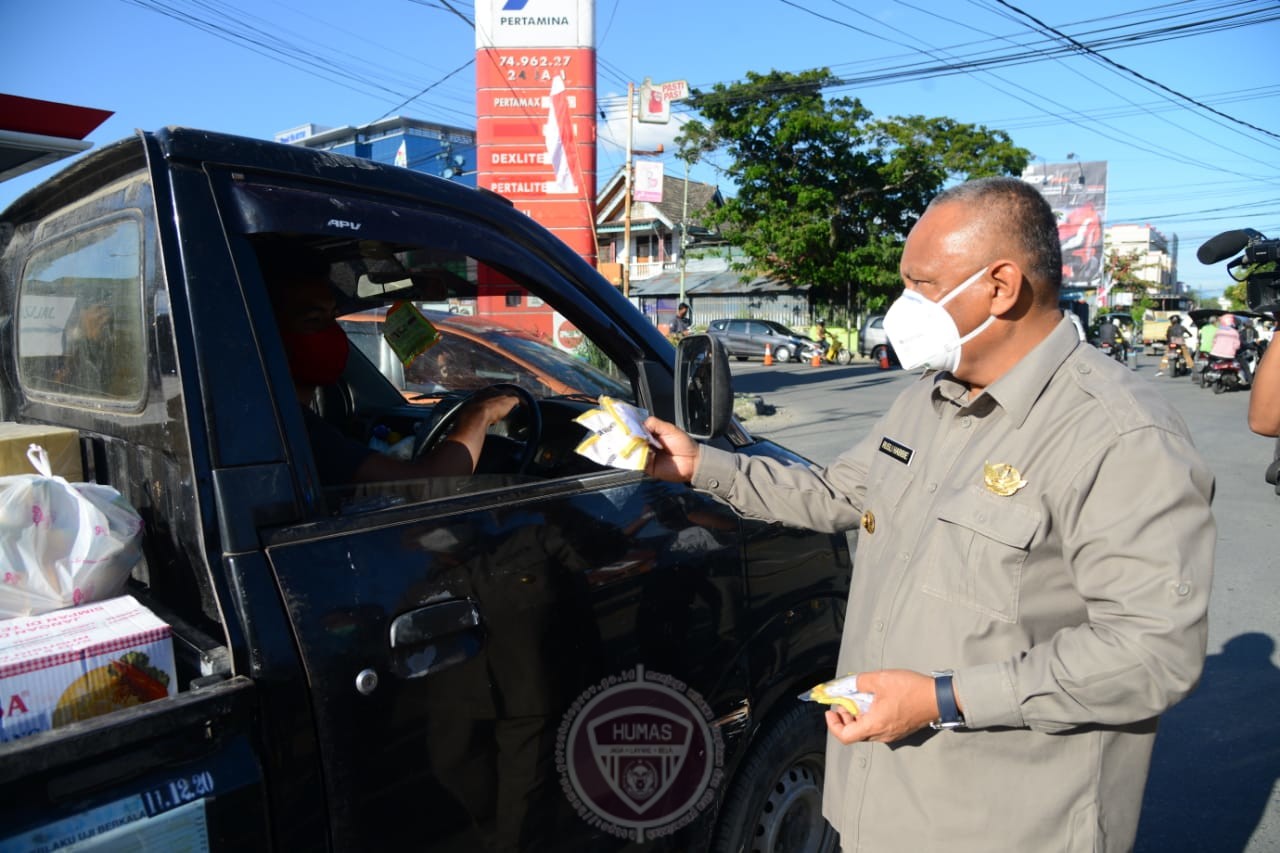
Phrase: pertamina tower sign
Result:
[535,111]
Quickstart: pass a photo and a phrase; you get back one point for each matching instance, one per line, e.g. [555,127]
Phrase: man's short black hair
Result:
[1021,212]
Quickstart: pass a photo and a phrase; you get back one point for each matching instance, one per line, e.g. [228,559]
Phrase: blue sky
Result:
[1180,152]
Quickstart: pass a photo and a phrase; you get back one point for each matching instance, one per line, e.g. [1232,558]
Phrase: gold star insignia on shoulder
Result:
[1002,479]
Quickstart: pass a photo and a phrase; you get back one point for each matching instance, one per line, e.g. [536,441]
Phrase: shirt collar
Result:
[1017,391]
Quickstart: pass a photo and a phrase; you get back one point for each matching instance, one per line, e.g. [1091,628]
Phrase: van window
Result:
[79,317]
[434,308]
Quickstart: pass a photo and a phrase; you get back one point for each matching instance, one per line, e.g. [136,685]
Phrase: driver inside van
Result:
[305,305]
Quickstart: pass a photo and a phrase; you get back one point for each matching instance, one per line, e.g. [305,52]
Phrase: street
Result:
[1217,757]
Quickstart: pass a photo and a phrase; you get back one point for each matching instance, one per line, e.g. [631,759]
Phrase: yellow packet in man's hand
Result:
[840,691]
[617,435]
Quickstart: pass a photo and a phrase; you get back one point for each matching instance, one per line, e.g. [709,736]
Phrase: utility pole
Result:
[626,202]
[684,227]
[626,199]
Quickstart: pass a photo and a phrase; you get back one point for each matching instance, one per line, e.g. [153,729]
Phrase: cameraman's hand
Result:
[1264,399]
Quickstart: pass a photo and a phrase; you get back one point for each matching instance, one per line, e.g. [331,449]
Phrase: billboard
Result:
[536,111]
[1077,192]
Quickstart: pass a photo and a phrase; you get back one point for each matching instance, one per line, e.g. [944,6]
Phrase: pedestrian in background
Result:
[1034,561]
[681,324]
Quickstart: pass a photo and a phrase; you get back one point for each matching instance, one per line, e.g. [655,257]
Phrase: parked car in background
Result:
[873,342]
[746,339]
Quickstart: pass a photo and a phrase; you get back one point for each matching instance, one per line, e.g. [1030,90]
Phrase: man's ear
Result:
[1012,291]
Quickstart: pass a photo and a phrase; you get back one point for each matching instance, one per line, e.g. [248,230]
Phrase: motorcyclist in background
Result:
[1226,344]
[826,340]
[1109,333]
[1176,344]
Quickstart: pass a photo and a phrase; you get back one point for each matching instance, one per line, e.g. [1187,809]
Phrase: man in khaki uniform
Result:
[1033,564]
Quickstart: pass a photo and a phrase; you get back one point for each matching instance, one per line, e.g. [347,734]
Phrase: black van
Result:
[548,655]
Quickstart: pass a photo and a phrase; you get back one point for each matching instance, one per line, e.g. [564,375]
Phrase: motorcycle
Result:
[817,350]
[1199,367]
[1177,362]
[1113,350]
[1229,374]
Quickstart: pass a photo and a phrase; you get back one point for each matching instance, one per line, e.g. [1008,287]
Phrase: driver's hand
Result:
[486,408]
[677,456]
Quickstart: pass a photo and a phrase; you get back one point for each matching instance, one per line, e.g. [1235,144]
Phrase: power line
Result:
[1126,69]
[429,87]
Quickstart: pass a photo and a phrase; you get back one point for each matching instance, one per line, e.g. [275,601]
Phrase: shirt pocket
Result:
[982,542]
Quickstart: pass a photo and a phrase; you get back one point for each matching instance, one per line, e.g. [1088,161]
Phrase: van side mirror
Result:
[704,387]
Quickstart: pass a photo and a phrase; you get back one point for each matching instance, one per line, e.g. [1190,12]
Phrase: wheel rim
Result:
[782,354]
[791,816]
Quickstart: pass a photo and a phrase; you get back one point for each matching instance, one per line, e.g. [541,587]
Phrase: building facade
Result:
[423,146]
[1155,255]
[698,269]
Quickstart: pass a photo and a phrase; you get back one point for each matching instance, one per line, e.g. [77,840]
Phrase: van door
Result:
[451,647]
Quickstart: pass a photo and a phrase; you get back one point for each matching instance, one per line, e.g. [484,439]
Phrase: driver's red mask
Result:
[317,358]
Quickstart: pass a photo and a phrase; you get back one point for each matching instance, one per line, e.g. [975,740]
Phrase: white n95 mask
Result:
[923,334]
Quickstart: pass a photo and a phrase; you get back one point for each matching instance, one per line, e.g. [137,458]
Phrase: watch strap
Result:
[949,716]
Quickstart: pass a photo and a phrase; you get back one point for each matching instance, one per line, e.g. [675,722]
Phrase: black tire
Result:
[844,356]
[775,801]
[1219,386]
[782,355]
[740,357]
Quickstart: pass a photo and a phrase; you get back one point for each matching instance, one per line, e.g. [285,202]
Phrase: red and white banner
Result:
[562,154]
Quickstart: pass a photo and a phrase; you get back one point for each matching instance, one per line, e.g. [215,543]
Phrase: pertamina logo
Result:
[638,756]
[543,20]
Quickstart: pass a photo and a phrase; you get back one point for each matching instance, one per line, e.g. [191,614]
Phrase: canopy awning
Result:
[35,133]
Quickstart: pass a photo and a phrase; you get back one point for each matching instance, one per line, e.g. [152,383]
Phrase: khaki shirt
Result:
[1073,610]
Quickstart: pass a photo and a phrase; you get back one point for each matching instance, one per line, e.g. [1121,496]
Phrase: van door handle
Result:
[438,636]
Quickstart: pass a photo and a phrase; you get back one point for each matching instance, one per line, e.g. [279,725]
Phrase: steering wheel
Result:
[498,449]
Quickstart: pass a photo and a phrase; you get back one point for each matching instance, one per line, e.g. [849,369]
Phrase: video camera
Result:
[1262,287]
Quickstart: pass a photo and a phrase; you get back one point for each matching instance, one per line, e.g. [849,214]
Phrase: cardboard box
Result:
[69,665]
[62,445]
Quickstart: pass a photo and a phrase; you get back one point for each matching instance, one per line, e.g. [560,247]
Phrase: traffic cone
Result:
[816,361]
[884,359]
[768,355]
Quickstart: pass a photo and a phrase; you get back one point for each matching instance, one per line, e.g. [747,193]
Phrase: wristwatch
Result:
[949,716]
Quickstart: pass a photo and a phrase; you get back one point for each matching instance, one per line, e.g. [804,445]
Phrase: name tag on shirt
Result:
[896,451]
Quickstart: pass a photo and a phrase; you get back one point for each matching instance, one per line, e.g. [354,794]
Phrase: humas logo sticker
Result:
[638,756]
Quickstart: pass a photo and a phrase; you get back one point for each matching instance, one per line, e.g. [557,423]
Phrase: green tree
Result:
[1235,296]
[825,192]
[1123,271]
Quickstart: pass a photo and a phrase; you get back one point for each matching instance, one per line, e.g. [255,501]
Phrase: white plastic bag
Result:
[62,544]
